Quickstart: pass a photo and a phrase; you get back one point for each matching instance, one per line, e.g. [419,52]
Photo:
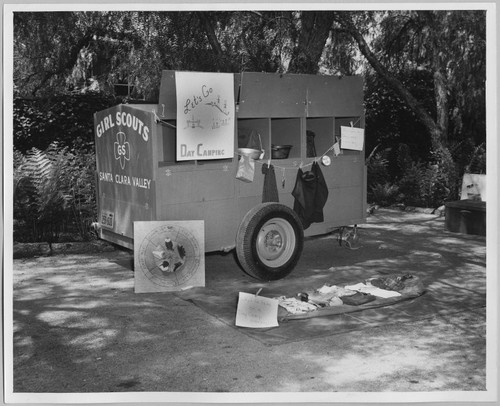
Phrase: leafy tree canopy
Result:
[429,65]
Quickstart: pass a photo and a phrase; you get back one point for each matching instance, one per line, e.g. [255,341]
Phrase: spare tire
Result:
[269,241]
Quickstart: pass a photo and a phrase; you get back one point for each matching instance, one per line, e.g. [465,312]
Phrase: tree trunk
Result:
[446,168]
[344,19]
[212,38]
[440,87]
[314,30]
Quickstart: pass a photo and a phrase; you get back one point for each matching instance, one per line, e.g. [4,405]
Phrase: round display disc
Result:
[169,255]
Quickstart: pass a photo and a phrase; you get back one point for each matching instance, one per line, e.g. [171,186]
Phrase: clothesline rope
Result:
[356,122]
[301,165]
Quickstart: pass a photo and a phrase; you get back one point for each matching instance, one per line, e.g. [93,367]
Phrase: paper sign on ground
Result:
[352,138]
[256,311]
[168,255]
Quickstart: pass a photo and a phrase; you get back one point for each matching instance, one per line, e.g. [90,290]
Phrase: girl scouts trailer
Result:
[179,160]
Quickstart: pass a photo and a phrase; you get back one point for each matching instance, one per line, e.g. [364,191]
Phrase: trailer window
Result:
[319,136]
[254,133]
[285,132]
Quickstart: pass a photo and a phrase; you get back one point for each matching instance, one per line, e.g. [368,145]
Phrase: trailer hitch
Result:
[348,237]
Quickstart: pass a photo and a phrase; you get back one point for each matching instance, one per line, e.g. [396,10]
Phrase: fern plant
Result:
[377,168]
[428,185]
[40,196]
[54,192]
[410,184]
[477,163]
[82,189]
[384,194]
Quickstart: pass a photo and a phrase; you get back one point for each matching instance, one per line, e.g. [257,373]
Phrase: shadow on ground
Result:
[451,266]
[79,327]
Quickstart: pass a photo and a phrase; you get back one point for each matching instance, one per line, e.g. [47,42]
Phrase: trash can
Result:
[466,216]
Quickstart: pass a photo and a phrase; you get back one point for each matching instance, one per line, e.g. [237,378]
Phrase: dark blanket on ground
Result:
[222,303]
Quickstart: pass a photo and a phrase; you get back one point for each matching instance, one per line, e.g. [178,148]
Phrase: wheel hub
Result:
[273,240]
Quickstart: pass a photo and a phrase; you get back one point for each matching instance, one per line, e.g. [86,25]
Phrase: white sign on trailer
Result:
[205,115]
[352,138]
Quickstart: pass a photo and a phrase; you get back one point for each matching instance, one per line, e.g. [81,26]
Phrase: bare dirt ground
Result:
[79,327]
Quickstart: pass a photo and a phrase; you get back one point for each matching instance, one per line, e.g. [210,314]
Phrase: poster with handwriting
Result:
[256,311]
[352,138]
[205,115]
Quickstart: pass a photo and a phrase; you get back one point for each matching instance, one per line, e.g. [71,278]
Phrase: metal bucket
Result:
[250,152]
[280,151]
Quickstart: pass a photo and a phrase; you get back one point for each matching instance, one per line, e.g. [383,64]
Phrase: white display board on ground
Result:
[256,311]
[168,255]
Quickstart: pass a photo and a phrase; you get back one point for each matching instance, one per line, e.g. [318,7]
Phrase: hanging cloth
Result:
[270,190]
[246,169]
[310,193]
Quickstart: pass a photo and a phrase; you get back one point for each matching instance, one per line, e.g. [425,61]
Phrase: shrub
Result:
[54,192]
[81,184]
[477,162]
[377,171]
[432,187]
[448,182]
[67,119]
[384,194]
[428,185]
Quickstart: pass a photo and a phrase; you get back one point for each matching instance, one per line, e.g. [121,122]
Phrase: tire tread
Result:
[246,231]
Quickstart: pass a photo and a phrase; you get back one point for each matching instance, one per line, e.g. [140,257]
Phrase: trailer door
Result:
[124,152]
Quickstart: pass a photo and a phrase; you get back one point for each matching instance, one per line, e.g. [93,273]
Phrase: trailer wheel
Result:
[269,241]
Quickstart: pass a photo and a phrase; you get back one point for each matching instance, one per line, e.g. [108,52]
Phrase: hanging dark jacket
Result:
[310,193]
